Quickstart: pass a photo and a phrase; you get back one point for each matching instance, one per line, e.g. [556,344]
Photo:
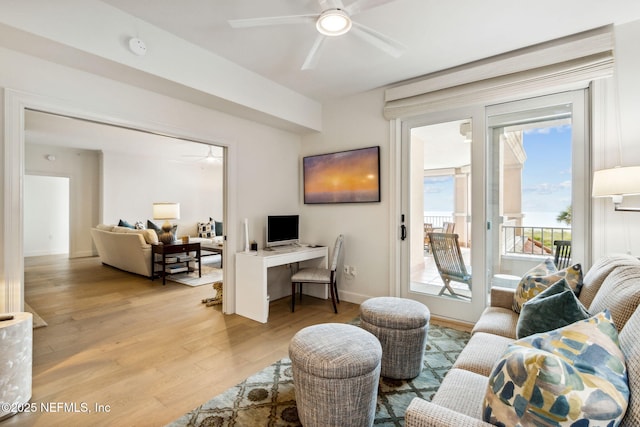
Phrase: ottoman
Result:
[336,370]
[401,325]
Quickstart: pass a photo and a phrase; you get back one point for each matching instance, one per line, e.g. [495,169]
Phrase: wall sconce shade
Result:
[617,183]
[166,211]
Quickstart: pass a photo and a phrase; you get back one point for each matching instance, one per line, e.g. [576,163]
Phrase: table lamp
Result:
[167,211]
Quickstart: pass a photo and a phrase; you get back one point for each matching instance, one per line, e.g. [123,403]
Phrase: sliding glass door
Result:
[441,194]
[502,183]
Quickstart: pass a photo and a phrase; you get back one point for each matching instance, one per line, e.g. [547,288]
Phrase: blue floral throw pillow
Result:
[572,376]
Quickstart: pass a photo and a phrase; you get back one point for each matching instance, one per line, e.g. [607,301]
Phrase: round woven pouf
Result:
[336,370]
[401,325]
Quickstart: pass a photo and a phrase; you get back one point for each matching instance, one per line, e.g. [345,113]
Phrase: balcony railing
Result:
[437,220]
[532,240]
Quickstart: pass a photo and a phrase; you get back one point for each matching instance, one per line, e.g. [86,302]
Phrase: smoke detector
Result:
[137,46]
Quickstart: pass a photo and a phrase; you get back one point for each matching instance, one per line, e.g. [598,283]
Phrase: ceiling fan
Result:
[334,20]
[209,158]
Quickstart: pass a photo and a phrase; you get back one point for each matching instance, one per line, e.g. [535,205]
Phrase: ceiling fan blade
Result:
[379,40]
[362,5]
[314,54]
[273,20]
[331,4]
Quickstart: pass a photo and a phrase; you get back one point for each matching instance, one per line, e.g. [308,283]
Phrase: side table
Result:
[180,263]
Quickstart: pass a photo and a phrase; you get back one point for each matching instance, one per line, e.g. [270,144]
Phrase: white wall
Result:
[617,232]
[46,215]
[354,122]
[133,183]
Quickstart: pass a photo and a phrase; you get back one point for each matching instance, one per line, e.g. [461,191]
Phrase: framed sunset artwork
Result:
[343,177]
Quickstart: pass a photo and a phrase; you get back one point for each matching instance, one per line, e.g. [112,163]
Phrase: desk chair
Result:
[449,261]
[319,276]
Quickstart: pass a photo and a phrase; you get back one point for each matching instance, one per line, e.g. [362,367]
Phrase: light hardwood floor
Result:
[149,352]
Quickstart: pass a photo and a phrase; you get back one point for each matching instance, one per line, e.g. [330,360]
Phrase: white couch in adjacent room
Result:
[125,248]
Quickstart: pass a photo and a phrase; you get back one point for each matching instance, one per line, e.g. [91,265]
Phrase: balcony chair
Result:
[562,249]
[428,228]
[448,227]
[319,276]
[448,259]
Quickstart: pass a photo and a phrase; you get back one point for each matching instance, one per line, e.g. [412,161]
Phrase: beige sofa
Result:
[613,282]
[130,249]
[125,248]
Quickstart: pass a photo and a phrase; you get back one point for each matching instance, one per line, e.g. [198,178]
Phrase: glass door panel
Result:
[440,189]
[537,150]
[440,203]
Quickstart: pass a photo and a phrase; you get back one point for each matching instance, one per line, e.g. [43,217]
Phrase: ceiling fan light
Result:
[333,22]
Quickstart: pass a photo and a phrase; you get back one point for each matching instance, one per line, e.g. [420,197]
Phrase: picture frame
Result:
[351,176]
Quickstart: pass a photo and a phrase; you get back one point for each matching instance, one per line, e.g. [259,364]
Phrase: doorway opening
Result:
[442,162]
[46,234]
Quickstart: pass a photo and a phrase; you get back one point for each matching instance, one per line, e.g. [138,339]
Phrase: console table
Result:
[175,249]
[252,299]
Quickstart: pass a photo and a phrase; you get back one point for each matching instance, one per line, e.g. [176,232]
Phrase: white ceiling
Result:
[437,35]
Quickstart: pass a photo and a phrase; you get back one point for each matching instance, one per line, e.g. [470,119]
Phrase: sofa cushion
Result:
[630,346]
[150,236]
[498,321]
[206,230]
[462,391]
[569,376]
[553,308]
[599,271]
[481,353]
[123,223]
[532,284]
[218,229]
[544,268]
[620,294]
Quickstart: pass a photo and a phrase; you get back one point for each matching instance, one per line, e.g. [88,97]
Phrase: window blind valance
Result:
[562,64]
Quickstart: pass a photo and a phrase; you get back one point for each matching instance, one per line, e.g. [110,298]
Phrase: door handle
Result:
[403,232]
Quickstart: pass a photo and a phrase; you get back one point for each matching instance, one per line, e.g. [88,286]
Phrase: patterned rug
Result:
[209,276]
[267,398]
[38,322]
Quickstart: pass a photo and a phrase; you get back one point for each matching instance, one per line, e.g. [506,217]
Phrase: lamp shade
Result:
[619,181]
[166,210]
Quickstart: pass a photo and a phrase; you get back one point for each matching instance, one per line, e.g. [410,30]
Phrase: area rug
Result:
[209,275]
[267,398]
[38,322]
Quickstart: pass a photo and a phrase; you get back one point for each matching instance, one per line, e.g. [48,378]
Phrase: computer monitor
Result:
[282,230]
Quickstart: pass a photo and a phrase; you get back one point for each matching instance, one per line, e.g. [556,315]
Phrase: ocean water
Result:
[542,219]
[531,219]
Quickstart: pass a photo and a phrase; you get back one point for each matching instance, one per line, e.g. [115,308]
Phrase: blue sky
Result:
[546,177]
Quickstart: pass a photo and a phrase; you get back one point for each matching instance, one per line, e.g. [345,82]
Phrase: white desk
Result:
[252,299]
